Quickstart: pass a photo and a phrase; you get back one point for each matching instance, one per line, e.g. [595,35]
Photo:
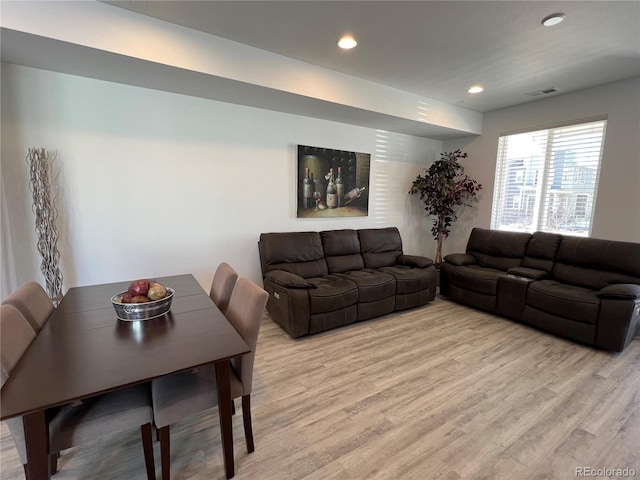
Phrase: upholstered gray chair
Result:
[15,337]
[224,280]
[183,394]
[33,302]
[75,424]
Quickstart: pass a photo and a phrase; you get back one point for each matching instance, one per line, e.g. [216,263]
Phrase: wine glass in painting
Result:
[316,197]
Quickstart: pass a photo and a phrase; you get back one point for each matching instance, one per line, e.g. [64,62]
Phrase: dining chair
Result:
[15,337]
[80,422]
[222,286]
[33,302]
[183,394]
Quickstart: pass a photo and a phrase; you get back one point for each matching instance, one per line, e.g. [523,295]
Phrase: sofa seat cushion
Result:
[409,280]
[567,301]
[477,279]
[373,285]
[331,293]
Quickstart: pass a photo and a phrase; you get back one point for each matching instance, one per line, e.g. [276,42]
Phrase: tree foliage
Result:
[443,189]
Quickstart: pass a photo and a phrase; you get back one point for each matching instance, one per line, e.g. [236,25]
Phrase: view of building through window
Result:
[547,180]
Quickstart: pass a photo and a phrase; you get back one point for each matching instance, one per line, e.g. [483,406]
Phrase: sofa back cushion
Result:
[380,247]
[342,250]
[541,251]
[296,252]
[594,263]
[497,249]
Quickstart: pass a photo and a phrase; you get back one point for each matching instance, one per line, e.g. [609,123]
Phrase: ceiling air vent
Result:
[546,91]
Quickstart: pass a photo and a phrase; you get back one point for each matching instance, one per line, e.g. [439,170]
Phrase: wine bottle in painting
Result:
[307,190]
[332,193]
[340,188]
[353,194]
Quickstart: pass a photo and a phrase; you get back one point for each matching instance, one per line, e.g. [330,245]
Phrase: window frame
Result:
[542,176]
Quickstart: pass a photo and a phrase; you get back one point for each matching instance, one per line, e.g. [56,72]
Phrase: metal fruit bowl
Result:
[142,311]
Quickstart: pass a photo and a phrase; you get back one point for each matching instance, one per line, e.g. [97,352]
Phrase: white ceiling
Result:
[435,49]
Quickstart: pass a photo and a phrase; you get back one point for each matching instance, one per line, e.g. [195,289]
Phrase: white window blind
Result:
[547,180]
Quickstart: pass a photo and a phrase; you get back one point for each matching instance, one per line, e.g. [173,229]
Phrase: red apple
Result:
[126,298]
[139,299]
[139,287]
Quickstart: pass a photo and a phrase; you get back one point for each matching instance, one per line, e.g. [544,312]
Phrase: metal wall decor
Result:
[43,190]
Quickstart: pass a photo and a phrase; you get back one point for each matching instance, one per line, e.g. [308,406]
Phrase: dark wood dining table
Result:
[85,350]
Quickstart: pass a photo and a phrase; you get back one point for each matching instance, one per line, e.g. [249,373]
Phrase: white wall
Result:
[154,183]
[97,40]
[617,212]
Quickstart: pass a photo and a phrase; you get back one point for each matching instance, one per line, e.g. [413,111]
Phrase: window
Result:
[581,205]
[519,176]
[581,176]
[548,179]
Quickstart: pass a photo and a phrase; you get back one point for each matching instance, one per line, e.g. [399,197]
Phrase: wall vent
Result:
[545,91]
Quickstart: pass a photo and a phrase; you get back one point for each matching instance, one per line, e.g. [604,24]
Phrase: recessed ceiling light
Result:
[552,20]
[347,42]
[475,89]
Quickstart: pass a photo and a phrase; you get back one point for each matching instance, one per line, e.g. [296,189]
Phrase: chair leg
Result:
[53,462]
[165,452]
[246,417]
[147,446]
[53,465]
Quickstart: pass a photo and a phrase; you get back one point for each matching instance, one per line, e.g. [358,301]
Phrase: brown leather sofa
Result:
[322,280]
[584,289]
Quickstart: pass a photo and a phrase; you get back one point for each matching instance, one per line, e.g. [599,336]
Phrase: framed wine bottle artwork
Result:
[332,183]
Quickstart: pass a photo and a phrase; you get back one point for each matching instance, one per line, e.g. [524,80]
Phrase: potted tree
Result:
[443,189]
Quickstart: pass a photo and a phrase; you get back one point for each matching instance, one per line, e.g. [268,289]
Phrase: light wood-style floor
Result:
[439,392]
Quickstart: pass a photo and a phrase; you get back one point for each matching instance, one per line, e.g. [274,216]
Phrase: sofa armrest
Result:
[287,279]
[532,273]
[628,291]
[414,261]
[460,259]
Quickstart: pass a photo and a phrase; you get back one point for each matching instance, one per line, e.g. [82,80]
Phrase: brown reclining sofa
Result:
[584,289]
[321,280]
